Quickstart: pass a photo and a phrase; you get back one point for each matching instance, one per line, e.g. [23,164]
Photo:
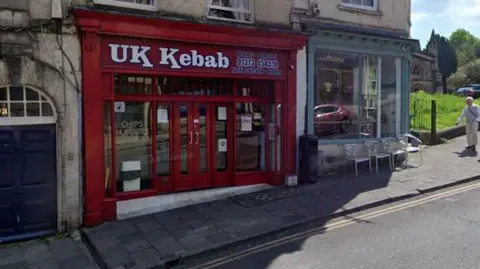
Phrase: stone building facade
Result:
[425,73]
[40,119]
[359,58]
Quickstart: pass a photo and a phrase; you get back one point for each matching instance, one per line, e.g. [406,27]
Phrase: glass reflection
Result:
[201,138]
[163,140]
[389,97]
[107,152]
[133,145]
[132,84]
[336,111]
[221,120]
[185,139]
[250,146]
[370,96]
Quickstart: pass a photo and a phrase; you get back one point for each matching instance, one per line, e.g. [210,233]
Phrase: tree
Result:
[447,60]
[466,45]
[457,80]
[472,72]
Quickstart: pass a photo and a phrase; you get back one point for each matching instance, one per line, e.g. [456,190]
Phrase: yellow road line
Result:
[332,226]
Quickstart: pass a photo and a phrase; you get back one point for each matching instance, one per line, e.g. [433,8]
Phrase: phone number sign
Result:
[258,63]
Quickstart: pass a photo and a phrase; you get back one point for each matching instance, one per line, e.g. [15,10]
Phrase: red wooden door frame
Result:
[202,179]
[182,182]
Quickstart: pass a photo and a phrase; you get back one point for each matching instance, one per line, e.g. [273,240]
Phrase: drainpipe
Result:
[80,150]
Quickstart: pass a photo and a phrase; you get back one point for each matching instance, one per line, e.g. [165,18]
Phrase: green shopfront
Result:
[358,88]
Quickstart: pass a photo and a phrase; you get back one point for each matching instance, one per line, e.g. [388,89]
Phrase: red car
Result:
[331,117]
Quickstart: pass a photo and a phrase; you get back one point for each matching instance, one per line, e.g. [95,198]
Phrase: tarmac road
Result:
[438,234]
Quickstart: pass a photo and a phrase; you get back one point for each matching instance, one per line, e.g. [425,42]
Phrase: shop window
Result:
[194,86]
[135,4]
[249,88]
[163,140]
[132,84]
[390,96]
[107,141]
[361,4]
[231,10]
[336,111]
[24,102]
[133,146]
[356,96]
[250,140]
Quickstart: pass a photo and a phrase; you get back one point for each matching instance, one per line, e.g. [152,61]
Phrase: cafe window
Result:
[356,96]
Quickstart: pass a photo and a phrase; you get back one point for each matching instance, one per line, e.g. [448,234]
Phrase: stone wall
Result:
[30,55]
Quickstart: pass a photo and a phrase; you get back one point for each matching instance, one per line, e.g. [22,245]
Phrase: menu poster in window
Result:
[246,122]
[221,113]
[162,115]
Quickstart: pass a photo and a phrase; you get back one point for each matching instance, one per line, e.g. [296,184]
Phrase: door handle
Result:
[191,138]
[196,133]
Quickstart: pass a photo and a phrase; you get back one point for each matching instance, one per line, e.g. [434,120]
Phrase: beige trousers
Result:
[471,129]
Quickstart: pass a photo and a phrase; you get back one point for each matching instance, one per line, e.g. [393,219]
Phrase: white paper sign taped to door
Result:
[162,115]
[222,145]
[246,123]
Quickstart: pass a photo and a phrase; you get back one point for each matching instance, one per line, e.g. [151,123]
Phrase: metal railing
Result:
[423,118]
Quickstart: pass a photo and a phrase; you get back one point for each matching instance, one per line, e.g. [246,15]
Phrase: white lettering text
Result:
[139,56]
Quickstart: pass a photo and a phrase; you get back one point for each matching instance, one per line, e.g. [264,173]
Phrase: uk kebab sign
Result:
[180,57]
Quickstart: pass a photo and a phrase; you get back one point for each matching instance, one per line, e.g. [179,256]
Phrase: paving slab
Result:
[53,253]
[156,240]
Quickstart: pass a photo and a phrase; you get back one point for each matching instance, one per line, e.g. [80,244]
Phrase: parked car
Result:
[464,91]
[472,90]
[331,117]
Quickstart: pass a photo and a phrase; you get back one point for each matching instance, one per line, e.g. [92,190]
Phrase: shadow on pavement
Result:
[311,205]
[466,153]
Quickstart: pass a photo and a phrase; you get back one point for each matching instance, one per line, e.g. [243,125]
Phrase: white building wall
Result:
[301,93]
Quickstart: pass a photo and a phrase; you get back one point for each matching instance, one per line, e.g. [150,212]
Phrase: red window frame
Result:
[272,95]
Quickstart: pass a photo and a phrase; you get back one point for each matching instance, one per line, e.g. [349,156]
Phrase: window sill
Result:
[359,10]
[115,3]
[228,20]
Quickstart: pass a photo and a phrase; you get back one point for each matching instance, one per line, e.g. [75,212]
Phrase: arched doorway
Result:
[28,185]
[418,88]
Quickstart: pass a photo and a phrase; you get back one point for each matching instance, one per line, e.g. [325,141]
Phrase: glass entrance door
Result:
[192,146]
[203,145]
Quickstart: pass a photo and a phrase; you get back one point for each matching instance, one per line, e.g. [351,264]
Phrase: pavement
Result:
[67,252]
[440,234]
[164,239]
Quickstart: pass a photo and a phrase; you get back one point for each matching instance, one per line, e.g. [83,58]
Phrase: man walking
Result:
[470,113]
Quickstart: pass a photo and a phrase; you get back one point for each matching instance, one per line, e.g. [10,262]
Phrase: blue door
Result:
[28,188]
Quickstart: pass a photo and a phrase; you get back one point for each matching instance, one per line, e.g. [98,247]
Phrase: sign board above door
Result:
[160,55]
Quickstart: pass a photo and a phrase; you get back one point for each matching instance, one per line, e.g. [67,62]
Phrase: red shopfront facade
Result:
[176,106]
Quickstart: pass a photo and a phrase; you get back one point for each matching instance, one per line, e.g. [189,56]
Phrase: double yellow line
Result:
[332,226]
